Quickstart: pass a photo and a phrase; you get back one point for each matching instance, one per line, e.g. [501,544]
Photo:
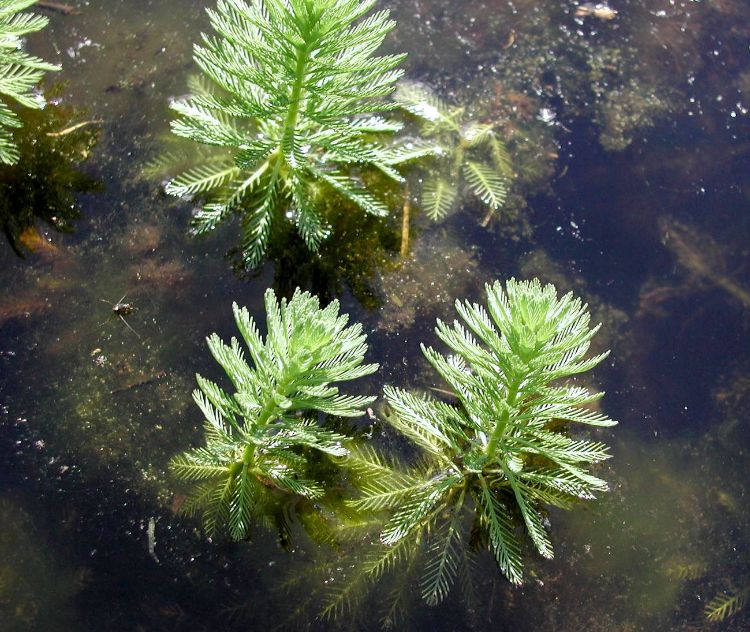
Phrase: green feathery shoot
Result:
[728,604]
[257,439]
[503,452]
[295,103]
[470,151]
[19,71]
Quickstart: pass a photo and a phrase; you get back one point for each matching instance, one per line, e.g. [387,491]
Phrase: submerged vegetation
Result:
[728,604]
[444,493]
[42,186]
[469,150]
[491,462]
[504,451]
[19,71]
[296,102]
[259,439]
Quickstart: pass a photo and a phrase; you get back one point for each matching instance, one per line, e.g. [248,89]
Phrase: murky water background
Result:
[631,141]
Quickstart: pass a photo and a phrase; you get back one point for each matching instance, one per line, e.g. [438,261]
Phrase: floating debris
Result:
[600,10]
[57,7]
[702,257]
[151,534]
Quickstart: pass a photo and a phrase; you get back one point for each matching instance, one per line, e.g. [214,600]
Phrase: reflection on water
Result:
[653,236]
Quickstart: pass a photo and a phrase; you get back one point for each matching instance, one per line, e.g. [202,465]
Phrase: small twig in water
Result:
[405,223]
[487,218]
[73,128]
[134,385]
[65,9]
[151,535]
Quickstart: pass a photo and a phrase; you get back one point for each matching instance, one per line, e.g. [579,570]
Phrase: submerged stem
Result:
[290,123]
[405,223]
[502,423]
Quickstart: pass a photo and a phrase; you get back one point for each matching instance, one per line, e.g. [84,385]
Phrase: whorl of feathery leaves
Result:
[19,71]
[503,449]
[726,605]
[295,101]
[469,151]
[257,438]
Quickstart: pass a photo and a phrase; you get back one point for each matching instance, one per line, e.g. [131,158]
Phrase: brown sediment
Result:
[162,273]
[22,307]
[143,237]
[57,7]
[426,283]
[36,242]
[701,256]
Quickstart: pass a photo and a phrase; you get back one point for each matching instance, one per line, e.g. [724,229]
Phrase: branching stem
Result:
[269,410]
[290,123]
[502,423]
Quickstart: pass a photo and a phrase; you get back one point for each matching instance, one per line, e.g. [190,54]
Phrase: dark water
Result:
[635,195]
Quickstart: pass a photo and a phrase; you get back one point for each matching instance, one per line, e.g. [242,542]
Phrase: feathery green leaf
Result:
[256,441]
[293,92]
[19,72]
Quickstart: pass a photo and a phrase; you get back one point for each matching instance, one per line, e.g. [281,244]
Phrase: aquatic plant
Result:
[727,605]
[43,185]
[258,440]
[295,101]
[503,451]
[469,150]
[19,71]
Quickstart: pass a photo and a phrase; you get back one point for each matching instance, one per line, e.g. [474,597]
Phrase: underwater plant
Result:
[468,150]
[19,71]
[258,439]
[503,451]
[42,186]
[728,604]
[295,100]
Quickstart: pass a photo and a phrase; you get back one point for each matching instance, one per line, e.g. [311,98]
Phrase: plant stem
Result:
[488,216]
[458,159]
[269,410]
[405,219]
[290,123]
[502,423]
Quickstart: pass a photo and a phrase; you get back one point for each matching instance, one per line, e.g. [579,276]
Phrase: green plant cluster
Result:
[468,150]
[259,438]
[296,101]
[493,459]
[504,449]
[19,71]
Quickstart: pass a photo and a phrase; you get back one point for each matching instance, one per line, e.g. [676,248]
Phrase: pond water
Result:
[630,139]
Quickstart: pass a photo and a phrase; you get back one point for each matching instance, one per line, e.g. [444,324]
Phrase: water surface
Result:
[630,139]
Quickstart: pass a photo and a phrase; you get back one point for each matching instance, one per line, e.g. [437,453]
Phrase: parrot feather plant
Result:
[260,438]
[492,461]
[469,151]
[19,71]
[296,103]
[728,604]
